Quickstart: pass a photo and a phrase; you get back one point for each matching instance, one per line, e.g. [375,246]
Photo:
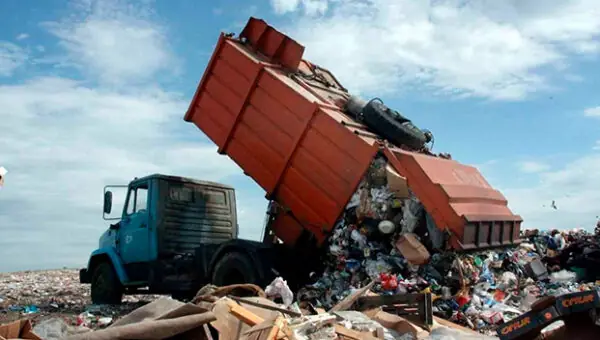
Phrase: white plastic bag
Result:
[446,333]
[280,288]
[563,276]
[57,329]
[411,213]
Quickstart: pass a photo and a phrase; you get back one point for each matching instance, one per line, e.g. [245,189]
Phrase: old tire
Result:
[106,287]
[392,126]
[234,268]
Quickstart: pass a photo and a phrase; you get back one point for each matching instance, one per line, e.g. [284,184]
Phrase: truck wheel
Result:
[106,287]
[234,268]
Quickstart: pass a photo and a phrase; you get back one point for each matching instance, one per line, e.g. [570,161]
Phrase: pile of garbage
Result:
[39,295]
[386,237]
[215,313]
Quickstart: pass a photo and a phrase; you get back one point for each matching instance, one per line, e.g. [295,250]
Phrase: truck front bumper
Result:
[84,276]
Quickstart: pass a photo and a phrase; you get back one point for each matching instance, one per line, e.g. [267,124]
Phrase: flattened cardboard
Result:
[397,184]
[412,249]
[20,329]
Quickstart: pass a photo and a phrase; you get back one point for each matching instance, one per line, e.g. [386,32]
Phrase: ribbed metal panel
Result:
[194,215]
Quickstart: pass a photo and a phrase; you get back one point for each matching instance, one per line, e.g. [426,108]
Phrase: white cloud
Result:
[574,78]
[114,42]
[11,58]
[285,6]
[533,166]
[592,112]
[499,50]
[22,36]
[574,190]
[63,139]
[309,7]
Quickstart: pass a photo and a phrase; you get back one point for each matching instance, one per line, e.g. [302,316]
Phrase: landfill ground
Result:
[47,294]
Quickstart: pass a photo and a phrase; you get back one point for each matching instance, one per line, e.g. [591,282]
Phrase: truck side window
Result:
[131,202]
[141,199]
[138,200]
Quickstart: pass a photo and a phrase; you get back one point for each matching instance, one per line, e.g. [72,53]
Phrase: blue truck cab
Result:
[174,235]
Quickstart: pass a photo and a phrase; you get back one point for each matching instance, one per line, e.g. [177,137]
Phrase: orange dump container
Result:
[281,119]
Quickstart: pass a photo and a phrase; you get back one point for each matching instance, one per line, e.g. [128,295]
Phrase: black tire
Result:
[106,287]
[392,126]
[234,268]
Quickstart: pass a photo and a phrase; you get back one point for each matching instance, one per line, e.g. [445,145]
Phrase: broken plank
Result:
[261,305]
[352,334]
[349,300]
[243,314]
[451,324]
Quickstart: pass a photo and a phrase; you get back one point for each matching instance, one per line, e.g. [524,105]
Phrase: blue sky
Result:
[94,93]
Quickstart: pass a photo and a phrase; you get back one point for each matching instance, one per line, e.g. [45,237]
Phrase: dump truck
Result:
[293,128]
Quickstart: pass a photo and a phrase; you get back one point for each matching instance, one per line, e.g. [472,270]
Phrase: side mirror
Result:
[107,202]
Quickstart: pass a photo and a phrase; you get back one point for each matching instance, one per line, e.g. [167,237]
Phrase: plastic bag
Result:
[354,201]
[359,238]
[446,333]
[279,287]
[411,213]
[56,329]
[435,234]
[374,268]
[563,276]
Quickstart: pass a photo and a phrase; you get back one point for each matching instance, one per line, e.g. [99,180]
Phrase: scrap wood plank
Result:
[261,305]
[268,330]
[415,303]
[252,319]
[243,314]
[349,300]
[207,332]
[279,324]
[451,324]
[352,334]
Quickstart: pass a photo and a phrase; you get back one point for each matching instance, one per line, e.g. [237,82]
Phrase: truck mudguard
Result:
[114,259]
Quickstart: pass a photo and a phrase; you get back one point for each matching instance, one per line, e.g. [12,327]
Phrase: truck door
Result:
[134,235]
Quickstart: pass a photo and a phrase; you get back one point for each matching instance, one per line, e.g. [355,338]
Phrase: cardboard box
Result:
[20,329]
[397,184]
[412,249]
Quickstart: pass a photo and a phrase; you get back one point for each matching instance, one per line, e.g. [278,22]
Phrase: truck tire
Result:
[392,126]
[233,268]
[106,287]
